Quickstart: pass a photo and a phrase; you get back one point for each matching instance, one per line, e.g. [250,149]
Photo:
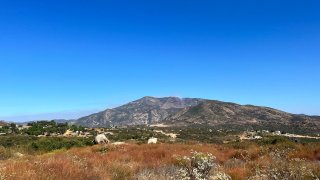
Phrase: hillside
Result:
[222,114]
[174,111]
[147,110]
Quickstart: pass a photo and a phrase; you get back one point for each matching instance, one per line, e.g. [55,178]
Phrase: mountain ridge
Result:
[174,111]
[217,113]
[146,110]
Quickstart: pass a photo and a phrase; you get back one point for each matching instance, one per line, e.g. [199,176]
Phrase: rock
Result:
[18,155]
[153,141]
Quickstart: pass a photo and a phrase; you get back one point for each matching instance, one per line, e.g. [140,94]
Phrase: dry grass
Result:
[126,161]
[309,151]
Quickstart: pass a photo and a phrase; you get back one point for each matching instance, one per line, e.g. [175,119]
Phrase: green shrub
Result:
[48,144]
[16,140]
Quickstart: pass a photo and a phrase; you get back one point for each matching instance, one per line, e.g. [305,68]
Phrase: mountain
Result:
[148,110]
[231,115]
[3,123]
[175,111]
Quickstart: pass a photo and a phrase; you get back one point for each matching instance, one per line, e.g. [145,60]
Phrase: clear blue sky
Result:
[65,58]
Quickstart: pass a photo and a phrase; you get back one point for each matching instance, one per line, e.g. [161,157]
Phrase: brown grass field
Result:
[133,161]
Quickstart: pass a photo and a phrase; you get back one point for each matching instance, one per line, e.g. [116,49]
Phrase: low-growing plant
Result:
[160,173]
[120,172]
[5,153]
[53,143]
[290,170]
[197,167]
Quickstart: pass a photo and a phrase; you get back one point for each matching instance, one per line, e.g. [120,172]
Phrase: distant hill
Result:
[69,121]
[147,110]
[174,111]
[3,123]
[223,114]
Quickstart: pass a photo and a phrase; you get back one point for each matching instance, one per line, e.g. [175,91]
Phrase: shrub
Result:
[197,167]
[5,153]
[53,143]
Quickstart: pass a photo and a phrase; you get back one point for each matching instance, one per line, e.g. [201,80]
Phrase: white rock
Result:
[153,141]
[101,139]
[118,143]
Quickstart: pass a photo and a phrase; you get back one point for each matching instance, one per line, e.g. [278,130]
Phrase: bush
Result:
[16,140]
[5,153]
[197,167]
[53,143]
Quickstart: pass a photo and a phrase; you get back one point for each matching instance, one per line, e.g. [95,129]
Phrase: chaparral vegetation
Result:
[180,153]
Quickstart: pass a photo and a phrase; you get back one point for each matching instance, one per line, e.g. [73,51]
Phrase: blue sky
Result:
[65,59]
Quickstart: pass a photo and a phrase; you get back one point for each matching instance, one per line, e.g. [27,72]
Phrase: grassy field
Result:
[220,153]
[271,158]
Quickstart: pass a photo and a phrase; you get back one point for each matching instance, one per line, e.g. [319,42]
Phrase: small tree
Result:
[14,128]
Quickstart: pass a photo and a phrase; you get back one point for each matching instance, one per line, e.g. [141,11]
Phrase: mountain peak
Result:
[146,110]
[159,98]
[147,97]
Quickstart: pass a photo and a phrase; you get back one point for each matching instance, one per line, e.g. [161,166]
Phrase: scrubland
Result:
[267,159]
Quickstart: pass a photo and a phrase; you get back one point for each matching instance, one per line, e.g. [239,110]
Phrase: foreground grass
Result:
[246,160]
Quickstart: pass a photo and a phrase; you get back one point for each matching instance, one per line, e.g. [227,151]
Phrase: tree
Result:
[14,128]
